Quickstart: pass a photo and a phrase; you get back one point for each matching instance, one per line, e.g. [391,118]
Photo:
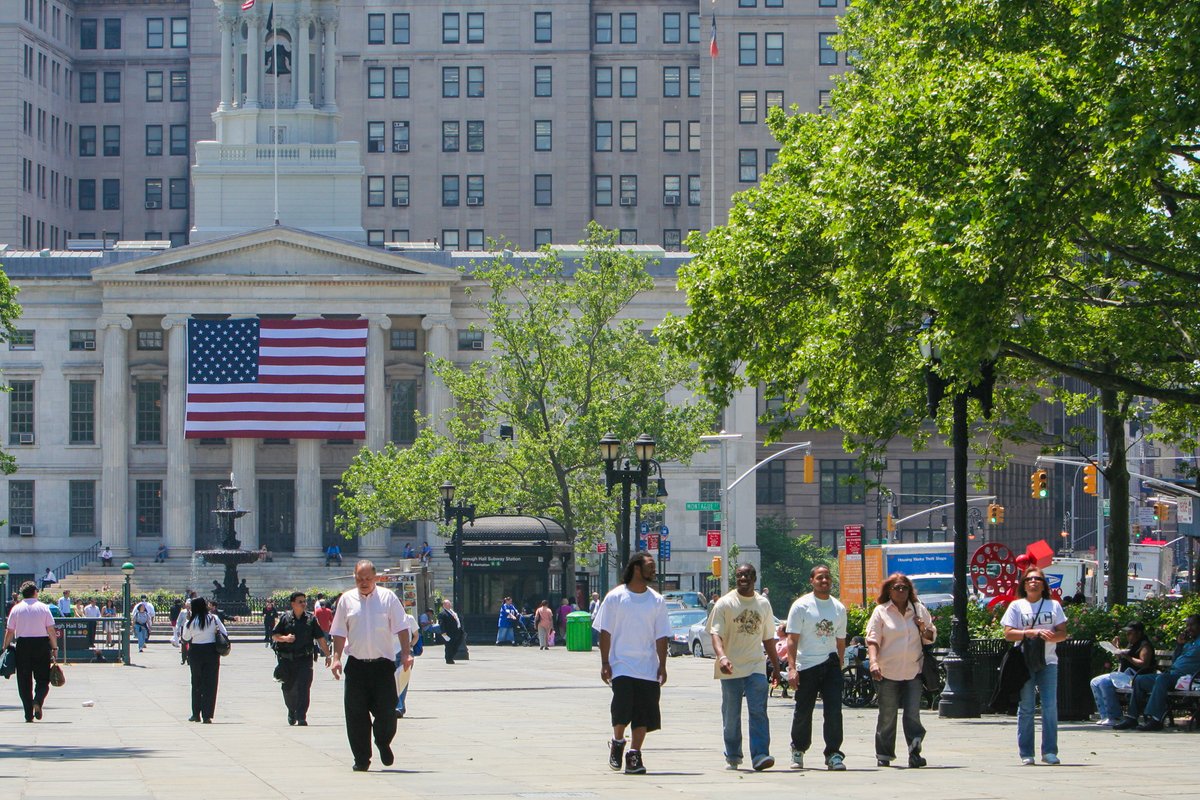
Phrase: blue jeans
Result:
[505,635]
[754,689]
[1045,680]
[142,632]
[1107,703]
[1157,687]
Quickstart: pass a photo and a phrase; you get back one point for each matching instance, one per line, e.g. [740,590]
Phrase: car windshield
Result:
[939,585]
[684,619]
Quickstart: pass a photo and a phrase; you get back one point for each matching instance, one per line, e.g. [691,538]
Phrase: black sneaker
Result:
[1125,724]
[616,751]
[633,763]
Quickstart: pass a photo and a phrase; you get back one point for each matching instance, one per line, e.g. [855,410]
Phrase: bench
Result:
[1178,702]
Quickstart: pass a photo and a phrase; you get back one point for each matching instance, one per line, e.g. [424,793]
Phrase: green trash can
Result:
[579,631]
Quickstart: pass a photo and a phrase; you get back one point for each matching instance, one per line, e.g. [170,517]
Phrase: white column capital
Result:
[174,321]
[227,23]
[330,24]
[115,320]
[306,18]
[382,320]
[431,321]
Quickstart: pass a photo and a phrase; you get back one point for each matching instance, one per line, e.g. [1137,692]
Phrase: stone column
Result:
[178,534]
[375,543]
[308,497]
[245,476]
[227,25]
[303,99]
[437,397]
[329,96]
[254,60]
[114,436]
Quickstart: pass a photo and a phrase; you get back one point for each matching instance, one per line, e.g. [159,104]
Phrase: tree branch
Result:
[1101,379]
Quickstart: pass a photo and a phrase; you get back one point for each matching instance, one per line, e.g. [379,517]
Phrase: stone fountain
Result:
[229,596]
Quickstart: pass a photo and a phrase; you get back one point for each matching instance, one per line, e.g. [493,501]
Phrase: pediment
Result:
[277,255]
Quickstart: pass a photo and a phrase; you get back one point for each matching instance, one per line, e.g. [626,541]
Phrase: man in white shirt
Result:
[816,628]
[365,627]
[64,603]
[634,632]
[91,612]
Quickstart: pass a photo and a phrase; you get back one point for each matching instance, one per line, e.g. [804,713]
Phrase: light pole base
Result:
[958,699]
[462,653]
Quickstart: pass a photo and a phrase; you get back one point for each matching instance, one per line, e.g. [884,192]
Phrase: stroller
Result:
[524,631]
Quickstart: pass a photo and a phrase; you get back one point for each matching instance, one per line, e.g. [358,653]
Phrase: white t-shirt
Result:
[1042,616]
[634,622]
[743,624]
[819,623]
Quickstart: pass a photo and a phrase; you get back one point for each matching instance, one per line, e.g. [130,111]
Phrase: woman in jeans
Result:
[1138,659]
[200,633]
[1036,622]
[898,628]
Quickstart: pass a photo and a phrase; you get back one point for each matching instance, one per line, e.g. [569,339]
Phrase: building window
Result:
[21,339]
[629,29]
[400,235]
[376,28]
[404,408]
[710,491]
[693,27]
[629,190]
[773,49]
[81,423]
[400,185]
[475,81]
[112,140]
[112,87]
[87,194]
[400,29]
[450,82]
[403,339]
[604,29]
[747,107]
[604,190]
[154,193]
[770,156]
[20,412]
[542,237]
[747,165]
[827,3]
[747,49]
[81,501]
[693,190]
[747,3]
[375,191]
[771,483]
[449,239]
[87,34]
[149,339]
[671,187]
[628,81]
[672,135]
[922,481]
[604,82]
[474,136]
[543,190]
[20,507]
[694,135]
[449,190]
[693,81]
[375,238]
[474,240]
[543,82]
[604,133]
[80,339]
[670,28]
[400,82]
[450,28]
[148,412]
[155,33]
[154,87]
[470,340]
[399,136]
[543,27]
[841,482]
[773,98]
[179,140]
[375,137]
[149,508]
[111,188]
[179,87]
[87,140]
[474,196]
[826,54]
[450,136]
[87,87]
[543,139]
[628,136]
[672,240]
[627,236]
[179,32]
[475,27]
[376,83]
[112,34]
[772,3]
[670,81]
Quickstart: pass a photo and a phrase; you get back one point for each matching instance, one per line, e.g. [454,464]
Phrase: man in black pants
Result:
[452,632]
[365,627]
[294,636]
[32,625]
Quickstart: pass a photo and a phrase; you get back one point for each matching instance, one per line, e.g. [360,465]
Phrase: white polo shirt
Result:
[369,624]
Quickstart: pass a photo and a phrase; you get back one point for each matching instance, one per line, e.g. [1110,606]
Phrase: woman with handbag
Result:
[896,633]
[202,632]
[1036,623]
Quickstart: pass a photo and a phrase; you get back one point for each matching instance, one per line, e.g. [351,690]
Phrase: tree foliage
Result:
[1020,172]
[787,560]
[570,365]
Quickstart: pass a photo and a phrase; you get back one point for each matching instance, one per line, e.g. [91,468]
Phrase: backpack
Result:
[141,616]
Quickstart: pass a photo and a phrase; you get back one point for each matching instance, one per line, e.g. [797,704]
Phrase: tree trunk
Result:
[1117,477]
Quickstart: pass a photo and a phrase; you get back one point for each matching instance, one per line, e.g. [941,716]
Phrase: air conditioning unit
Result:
[477,344]
[474,201]
[628,201]
[26,438]
[670,199]
[153,204]
[400,201]
[400,147]
[24,530]
[89,344]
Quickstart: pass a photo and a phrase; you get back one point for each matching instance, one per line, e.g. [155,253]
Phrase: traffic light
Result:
[1160,512]
[1039,485]
[1089,479]
[999,514]
[993,519]
[808,468]
[716,566]
[891,523]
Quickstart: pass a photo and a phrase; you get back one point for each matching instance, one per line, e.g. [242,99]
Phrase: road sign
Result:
[664,549]
[651,542]
[664,531]
[707,505]
[1145,517]
[1185,510]
[853,539]
[714,541]
[602,547]
[645,528]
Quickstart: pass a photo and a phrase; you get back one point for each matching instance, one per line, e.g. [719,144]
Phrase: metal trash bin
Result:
[986,655]
[1075,700]
[579,631]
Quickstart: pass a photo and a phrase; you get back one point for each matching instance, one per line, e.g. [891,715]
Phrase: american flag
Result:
[249,4]
[712,42]
[276,378]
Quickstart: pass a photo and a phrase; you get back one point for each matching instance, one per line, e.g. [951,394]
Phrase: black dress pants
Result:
[452,645]
[370,702]
[206,669]
[298,686]
[824,679]
[33,671]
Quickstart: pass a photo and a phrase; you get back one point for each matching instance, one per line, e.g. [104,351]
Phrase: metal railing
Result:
[75,562]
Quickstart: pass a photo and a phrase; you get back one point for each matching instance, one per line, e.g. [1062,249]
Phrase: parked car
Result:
[934,589]
[699,640]
[687,599]
[681,623]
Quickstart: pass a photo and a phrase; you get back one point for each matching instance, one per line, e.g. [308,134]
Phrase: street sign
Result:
[853,535]
[713,539]
[644,528]
[664,549]
[1145,517]
[651,542]
[707,505]
[602,547]
[1185,510]
[664,531]
[641,543]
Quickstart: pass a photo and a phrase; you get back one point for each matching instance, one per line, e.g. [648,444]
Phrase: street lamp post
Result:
[456,513]
[127,595]
[3,595]
[629,473]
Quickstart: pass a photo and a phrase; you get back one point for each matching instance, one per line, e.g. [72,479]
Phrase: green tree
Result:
[571,364]
[10,311]
[1023,175]
[787,559]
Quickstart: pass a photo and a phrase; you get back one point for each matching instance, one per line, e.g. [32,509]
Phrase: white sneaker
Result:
[1027,762]
[1105,722]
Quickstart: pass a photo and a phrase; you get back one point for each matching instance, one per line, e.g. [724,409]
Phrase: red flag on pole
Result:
[247,5]
[712,44]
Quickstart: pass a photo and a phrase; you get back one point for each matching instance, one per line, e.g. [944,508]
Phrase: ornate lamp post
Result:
[456,513]
[629,473]
[127,594]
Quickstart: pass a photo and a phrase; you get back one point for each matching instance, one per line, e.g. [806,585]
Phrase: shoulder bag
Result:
[931,678]
[220,640]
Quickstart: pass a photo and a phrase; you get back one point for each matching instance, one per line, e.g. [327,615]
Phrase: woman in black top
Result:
[1138,659]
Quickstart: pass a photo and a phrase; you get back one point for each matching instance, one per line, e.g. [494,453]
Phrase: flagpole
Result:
[712,123]
[275,112]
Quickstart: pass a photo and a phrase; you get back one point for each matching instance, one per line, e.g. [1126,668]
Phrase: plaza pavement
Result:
[508,723]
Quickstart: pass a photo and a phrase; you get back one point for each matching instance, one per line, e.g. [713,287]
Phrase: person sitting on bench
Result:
[1150,691]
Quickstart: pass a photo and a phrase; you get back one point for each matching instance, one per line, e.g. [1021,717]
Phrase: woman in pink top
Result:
[898,628]
[545,623]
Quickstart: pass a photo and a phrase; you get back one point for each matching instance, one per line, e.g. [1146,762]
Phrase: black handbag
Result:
[221,642]
[931,677]
[8,661]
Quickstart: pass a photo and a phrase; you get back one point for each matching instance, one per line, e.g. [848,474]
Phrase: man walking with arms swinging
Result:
[816,629]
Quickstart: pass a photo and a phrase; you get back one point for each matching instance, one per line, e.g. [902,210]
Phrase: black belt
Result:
[373,660]
[293,656]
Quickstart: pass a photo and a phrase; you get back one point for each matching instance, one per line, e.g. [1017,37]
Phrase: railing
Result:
[75,562]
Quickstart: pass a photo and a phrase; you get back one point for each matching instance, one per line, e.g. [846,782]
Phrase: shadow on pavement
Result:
[80,753]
